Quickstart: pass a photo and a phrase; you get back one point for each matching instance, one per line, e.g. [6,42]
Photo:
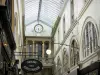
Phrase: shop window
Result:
[94,72]
[90,39]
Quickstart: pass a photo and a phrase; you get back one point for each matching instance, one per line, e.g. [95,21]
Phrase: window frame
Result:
[88,34]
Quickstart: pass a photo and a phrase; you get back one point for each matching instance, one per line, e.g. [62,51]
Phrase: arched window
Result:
[65,61]
[90,39]
[74,54]
[58,66]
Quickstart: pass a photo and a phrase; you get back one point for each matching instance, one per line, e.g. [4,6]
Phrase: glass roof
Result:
[44,12]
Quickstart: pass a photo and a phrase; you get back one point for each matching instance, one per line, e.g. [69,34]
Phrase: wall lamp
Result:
[48,51]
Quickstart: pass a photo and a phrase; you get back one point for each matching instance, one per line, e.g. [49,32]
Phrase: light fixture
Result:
[5,44]
[48,51]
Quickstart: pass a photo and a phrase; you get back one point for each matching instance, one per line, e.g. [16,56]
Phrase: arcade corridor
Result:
[49,37]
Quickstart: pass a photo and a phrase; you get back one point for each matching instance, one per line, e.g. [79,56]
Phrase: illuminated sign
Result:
[31,65]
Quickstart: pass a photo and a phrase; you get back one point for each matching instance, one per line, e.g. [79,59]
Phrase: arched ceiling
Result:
[42,11]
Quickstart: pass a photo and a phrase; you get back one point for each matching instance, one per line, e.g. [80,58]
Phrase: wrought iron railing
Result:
[34,55]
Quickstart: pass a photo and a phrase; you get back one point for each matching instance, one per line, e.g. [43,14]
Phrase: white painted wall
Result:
[91,10]
[18,29]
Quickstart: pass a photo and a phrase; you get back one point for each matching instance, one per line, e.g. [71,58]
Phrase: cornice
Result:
[88,58]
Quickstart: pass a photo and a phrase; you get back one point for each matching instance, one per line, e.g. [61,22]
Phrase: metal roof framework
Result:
[42,11]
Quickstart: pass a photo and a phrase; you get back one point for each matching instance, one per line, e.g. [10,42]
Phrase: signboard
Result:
[31,65]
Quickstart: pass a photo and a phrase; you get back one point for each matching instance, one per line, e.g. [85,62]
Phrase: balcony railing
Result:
[46,61]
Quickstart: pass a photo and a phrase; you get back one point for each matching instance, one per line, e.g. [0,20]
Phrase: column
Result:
[33,50]
[26,49]
[42,49]
[36,55]
[50,49]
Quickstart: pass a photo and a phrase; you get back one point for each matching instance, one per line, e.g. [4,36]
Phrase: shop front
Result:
[93,69]
[7,42]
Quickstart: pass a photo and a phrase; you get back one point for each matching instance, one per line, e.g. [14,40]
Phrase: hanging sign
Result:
[31,65]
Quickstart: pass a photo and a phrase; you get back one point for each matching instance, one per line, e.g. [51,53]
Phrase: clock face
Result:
[38,28]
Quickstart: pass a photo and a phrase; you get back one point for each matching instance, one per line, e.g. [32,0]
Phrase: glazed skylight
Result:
[44,12]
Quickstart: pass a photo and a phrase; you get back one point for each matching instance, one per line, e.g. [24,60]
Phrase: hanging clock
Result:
[38,28]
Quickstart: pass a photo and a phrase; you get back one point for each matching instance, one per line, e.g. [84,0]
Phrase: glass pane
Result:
[44,13]
[90,38]
[39,50]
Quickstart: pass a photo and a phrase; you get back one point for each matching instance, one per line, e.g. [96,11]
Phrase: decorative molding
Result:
[74,24]
[64,73]
[73,68]
[98,50]
[66,36]
[89,57]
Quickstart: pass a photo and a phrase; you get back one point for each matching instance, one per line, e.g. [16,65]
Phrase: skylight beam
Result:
[39,10]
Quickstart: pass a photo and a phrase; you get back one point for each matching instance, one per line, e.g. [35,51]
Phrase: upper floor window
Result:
[38,49]
[90,39]
[74,54]
[65,61]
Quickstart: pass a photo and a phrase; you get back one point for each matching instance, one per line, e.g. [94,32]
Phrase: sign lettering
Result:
[31,65]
